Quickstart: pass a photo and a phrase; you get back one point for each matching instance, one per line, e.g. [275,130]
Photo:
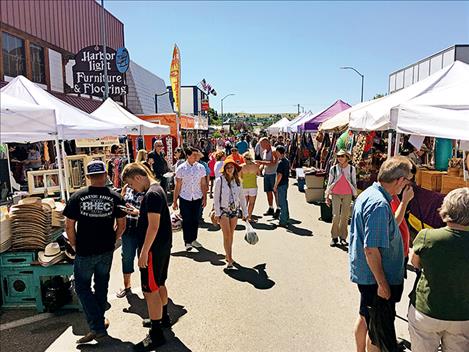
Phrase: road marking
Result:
[26,321]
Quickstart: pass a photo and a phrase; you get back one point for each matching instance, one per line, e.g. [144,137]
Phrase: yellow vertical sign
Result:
[175,77]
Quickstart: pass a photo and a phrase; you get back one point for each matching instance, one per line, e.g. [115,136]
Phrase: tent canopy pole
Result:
[59,164]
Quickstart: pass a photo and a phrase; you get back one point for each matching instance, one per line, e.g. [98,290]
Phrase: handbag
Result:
[213,216]
[251,235]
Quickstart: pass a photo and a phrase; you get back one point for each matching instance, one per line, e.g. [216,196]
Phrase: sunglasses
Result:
[341,156]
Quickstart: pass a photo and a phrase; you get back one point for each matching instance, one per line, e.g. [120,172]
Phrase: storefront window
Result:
[37,64]
[13,55]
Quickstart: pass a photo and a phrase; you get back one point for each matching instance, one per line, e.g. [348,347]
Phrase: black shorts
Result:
[156,273]
[369,292]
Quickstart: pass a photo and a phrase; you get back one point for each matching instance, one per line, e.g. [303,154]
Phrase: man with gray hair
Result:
[376,249]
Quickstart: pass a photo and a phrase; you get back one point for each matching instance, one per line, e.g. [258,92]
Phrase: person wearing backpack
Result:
[341,188]
[229,202]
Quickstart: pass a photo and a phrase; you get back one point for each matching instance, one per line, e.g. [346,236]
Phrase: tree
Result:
[213,117]
[379,95]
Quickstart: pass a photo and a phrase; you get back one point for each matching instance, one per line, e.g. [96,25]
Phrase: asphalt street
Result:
[290,292]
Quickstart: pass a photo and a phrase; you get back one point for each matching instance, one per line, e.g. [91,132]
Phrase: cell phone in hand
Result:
[124,208]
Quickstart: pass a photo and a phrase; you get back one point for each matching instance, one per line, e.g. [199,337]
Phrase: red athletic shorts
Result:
[156,273]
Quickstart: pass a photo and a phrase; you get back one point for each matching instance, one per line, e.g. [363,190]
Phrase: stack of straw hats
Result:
[31,223]
[5,231]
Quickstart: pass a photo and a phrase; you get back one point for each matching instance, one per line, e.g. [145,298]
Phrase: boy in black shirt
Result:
[94,210]
[281,186]
[155,241]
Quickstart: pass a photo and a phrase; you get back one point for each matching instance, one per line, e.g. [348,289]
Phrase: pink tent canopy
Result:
[313,124]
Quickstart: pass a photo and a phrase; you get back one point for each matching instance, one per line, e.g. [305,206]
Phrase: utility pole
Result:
[103,34]
[298,109]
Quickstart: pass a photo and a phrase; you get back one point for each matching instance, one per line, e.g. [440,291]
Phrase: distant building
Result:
[422,69]
[144,88]
[191,100]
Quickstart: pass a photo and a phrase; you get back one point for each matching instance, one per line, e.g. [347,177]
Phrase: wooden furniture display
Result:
[39,181]
[76,170]
[449,183]
[431,180]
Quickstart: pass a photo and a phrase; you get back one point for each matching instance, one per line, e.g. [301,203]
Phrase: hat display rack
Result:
[33,224]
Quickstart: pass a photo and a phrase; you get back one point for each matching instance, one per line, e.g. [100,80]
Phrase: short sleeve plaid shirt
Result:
[374,226]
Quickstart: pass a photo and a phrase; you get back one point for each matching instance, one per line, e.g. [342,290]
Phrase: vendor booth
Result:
[36,257]
[433,115]
[277,127]
[312,125]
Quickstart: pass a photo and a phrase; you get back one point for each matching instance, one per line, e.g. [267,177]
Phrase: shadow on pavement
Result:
[299,231]
[107,343]
[202,255]
[256,276]
[138,306]
[262,226]
[342,247]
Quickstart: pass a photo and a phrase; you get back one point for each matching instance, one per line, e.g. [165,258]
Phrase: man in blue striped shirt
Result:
[376,249]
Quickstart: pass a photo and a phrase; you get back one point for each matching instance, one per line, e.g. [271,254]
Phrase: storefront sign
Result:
[96,142]
[205,105]
[122,60]
[88,71]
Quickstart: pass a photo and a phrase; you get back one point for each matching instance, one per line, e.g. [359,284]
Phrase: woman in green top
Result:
[249,173]
[439,310]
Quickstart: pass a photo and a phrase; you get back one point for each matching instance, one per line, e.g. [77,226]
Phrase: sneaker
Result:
[188,247]
[343,242]
[90,337]
[269,212]
[150,343]
[334,242]
[285,225]
[277,214]
[229,266]
[196,244]
[123,292]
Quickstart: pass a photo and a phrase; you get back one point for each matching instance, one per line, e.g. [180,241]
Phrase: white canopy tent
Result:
[37,123]
[441,112]
[113,113]
[71,123]
[340,121]
[276,128]
[297,121]
[376,116]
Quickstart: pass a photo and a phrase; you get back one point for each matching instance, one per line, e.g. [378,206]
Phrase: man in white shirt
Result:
[191,190]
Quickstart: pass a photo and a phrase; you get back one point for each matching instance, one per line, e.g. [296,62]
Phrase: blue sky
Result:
[274,55]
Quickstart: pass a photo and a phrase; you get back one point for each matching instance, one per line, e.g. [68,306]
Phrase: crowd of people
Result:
[228,173]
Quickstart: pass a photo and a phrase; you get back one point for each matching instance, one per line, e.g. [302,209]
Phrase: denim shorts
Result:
[269,182]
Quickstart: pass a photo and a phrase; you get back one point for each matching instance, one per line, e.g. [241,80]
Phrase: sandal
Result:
[123,292]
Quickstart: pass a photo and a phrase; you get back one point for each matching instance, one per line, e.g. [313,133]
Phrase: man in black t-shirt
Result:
[160,165]
[154,248]
[281,186]
[94,210]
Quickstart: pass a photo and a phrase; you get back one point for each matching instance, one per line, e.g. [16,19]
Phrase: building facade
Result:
[147,92]
[413,73]
[38,38]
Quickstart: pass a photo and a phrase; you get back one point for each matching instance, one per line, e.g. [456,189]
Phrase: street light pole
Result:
[362,77]
[226,96]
